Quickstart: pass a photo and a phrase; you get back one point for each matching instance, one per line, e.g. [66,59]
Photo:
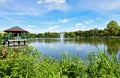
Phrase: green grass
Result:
[27,63]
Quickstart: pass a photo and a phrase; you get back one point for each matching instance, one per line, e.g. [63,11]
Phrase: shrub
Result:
[27,63]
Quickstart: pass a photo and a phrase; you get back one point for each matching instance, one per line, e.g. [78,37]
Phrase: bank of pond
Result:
[27,62]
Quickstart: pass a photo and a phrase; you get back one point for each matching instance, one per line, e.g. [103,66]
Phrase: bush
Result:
[103,65]
[18,64]
[27,63]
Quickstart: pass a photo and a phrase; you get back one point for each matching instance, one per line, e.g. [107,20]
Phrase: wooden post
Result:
[18,35]
[8,43]
[18,42]
[25,36]
[24,42]
[8,35]
[13,43]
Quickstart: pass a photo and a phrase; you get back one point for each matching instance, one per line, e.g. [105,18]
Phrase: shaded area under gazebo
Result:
[16,34]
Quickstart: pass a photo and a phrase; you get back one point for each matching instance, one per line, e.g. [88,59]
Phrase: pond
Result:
[82,47]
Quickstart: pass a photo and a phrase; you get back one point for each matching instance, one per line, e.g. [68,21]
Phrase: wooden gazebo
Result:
[16,34]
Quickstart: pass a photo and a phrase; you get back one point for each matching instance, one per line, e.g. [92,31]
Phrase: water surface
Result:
[81,47]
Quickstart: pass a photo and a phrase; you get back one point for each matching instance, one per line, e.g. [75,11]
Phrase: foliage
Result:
[2,37]
[32,35]
[44,35]
[72,67]
[103,65]
[113,28]
[18,64]
[27,63]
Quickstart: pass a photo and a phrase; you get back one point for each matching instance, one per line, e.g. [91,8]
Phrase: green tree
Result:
[46,35]
[100,33]
[113,28]
[95,31]
[72,34]
[79,33]
[87,33]
[40,35]
[32,35]
[105,32]
[118,32]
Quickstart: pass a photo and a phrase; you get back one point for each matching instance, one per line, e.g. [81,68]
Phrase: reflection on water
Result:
[54,47]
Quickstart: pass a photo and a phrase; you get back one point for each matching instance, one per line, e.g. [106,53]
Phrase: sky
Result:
[39,16]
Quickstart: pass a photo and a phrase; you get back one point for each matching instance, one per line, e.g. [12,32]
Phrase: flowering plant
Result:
[3,53]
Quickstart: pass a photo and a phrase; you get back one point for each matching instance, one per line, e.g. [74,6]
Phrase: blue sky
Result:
[39,16]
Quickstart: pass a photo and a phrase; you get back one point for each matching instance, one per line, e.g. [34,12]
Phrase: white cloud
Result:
[40,2]
[32,26]
[36,29]
[68,29]
[63,21]
[98,18]
[99,6]
[32,30]
[80,28]
[51,1]
[27,10]
[20,8]
[4,1]
[79,24]
[89,21]
[53,28]
[54,4]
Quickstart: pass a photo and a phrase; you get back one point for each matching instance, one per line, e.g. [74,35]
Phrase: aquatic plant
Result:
[27,63]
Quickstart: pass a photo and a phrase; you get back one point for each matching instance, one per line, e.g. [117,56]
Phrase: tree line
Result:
[112,30]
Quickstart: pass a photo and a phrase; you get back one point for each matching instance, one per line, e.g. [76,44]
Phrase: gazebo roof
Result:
[15,29]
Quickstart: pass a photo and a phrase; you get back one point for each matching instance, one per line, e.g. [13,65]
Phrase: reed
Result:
[27,63]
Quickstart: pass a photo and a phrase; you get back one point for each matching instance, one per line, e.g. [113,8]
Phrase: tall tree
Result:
[113,28]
